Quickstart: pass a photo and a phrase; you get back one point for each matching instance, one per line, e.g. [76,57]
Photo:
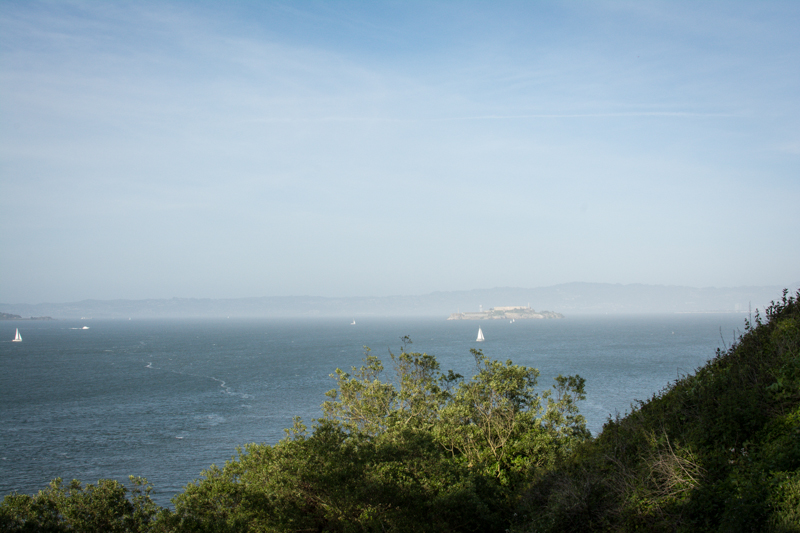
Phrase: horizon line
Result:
[796,286]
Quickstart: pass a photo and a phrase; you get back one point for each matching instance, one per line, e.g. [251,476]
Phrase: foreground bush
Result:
[332,481]
[437,453]
[107,507]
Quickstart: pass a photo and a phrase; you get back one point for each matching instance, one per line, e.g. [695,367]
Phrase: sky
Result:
[235,149]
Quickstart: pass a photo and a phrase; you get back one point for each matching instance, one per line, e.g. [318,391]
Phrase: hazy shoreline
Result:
[567,299]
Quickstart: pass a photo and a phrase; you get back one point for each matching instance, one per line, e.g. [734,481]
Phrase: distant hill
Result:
[567,299]
[9,316]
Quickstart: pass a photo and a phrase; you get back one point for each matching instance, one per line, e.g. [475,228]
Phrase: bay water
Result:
[165,399]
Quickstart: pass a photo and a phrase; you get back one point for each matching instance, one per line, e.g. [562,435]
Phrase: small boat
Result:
[480,336]
[353,323]
[17,337]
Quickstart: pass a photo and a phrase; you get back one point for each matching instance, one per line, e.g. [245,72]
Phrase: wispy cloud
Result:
[373,119]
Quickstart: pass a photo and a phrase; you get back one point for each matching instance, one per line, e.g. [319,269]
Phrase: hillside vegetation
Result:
[715,451]
[433,451]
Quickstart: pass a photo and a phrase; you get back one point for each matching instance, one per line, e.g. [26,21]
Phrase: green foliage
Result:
[432,453]
[362,403]
[106,507]
[716,451]
[332,480]
[497,420]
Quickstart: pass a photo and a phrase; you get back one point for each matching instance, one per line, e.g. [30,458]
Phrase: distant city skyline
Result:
[351,149]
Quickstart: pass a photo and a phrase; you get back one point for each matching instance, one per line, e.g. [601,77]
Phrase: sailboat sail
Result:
[17,337]
[480,336]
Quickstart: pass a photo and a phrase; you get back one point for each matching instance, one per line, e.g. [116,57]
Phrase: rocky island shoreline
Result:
[505,313]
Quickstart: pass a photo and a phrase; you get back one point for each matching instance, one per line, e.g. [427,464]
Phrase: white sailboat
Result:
[17,337]
[480,336]
[353,323]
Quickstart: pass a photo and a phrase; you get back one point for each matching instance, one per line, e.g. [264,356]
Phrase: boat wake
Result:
[227,390]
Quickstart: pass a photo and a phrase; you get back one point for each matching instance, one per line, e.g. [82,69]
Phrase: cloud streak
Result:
[680,114]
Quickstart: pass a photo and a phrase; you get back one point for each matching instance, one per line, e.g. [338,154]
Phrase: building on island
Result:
[505,313]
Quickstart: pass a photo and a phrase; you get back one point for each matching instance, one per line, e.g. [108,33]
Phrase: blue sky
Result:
[232,149]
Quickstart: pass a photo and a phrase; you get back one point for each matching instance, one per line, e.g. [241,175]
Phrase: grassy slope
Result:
[716,451]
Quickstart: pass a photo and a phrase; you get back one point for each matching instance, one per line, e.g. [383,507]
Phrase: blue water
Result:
[166,399]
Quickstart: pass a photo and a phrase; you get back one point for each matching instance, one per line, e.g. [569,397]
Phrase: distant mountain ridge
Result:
[567,298]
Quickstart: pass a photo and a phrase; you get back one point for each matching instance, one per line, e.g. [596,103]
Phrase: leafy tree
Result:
[497,419]
[425,451]
[361,402]
[106,507]
[562,416]
[331,480]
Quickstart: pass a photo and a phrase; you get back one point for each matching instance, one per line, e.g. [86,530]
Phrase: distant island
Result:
[9,316]
[505,313]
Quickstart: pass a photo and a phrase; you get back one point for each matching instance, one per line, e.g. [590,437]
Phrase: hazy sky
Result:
[232,149]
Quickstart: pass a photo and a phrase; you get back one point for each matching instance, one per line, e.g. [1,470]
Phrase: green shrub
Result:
[107,507]
[715,451]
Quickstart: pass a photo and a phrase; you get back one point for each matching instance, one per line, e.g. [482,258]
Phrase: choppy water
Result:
[166,399]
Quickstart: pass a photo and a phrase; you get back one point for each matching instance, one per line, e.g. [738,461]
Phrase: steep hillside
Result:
[715,451]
